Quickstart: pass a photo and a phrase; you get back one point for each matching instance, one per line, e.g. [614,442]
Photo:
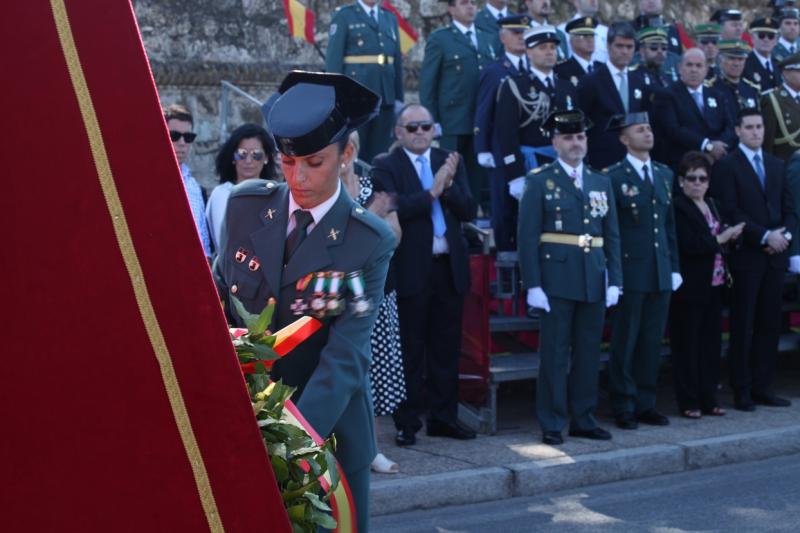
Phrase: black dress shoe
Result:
[653,418]
[594,434]
[771,400]
[405,437]
[626,420]
[744,403]
[436,428]
[553,438]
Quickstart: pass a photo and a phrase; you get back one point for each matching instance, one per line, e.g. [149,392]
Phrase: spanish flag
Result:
[408,37]
[301,20]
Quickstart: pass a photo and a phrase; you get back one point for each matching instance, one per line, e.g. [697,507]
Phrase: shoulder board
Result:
[255,187]
[370,220]
[613,167]
[562,61]
[632,68]
[656,164]
[710,82]
[537,170]
[752,84]
[345,7]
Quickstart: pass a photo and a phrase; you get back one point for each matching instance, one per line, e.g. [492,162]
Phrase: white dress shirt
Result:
[786,44]
[369,9]
[638,166]
[316,212]
[569,170]
[463,29]
[497,13]
[440,245]
[764,61]
[543,77]
[582,62]
[515,59]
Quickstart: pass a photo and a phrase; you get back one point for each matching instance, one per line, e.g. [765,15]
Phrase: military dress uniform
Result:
[335,271]
[574,69]
[738,95]
[781,113]
[763,73]
[784,49]
[368,50]
[568,239]
[649,259]
[448,88]
[657,21]
[665,74]
[486,21]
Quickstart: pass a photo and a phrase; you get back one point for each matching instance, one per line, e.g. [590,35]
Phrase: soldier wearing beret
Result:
[448,83]
[364,44]
[568,242]
[787,33]
[707,36]
[781,111]
[759,67]
[655,57]
[309,246]
[650,270]
[582,34]
[740,93]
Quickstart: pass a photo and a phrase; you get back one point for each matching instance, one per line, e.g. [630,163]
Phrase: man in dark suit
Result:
[488,20]
[751,188]
[433,199]
[690,116]
[759,66]
[581,33]
[513,64]
[613,89]
[278,236]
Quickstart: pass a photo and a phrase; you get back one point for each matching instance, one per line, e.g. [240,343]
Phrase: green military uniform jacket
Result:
[331,368]
[487,22]
[646,227]
[781,123]
[367,51]
[780,52]
[448,80]
[552,203]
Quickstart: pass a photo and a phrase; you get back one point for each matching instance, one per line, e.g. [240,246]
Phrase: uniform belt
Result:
[379,59]
[584,241]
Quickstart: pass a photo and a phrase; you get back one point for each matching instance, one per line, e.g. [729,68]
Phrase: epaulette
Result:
[539,169]
[710,82]
[632,68]
[370,220]
[656,164]
[752,84]
[562,61]
[255,187]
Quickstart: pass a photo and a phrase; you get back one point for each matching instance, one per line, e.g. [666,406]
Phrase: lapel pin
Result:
[271,213]
[334,234]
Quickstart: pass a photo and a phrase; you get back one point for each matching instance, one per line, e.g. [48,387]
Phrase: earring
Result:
[343,166]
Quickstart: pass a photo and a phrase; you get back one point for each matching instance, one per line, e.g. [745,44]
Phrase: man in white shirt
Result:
[588,9]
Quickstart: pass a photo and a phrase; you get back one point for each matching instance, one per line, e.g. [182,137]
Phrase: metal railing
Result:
[225,105]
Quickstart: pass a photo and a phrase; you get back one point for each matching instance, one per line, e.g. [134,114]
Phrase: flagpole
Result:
[319,51]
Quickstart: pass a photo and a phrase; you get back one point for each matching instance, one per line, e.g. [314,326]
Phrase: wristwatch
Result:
[709,147]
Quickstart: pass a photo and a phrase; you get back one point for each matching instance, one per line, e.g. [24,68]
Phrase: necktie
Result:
[437,215]
[698,99]
[623,90]
[469,37]
[374,14]
[590,68]
[521,67]
[768,66]
[759,168]
[548,83]
[646,172]
[298,235]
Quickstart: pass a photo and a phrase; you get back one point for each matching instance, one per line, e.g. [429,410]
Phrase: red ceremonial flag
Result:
[408,36]
[301,20]
[123,407]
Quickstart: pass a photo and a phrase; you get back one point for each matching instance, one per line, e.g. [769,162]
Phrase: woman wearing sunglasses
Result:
[248,153]
[695,321]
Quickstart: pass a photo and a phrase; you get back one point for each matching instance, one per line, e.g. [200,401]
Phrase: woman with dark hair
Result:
[695,318]
[248,153]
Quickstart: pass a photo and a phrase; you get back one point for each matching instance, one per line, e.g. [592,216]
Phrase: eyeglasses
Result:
[657,47]
[694,178]
[709,40]
[241,154]
[188,136]
[766,36]
[412,127]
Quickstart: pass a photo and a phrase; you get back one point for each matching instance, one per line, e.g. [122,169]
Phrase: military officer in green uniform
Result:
[654,55]
[488,20]
[568,243]
[740,93]
[787,33]
[781,110]
[448,84]
[364,44]
[650,270]
[308,245]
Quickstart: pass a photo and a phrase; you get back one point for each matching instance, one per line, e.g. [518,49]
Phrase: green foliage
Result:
[297,460]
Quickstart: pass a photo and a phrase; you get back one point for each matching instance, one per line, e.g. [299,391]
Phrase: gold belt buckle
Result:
[381,59]
[585,241]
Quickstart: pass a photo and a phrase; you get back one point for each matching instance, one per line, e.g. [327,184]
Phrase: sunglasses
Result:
[765,35]
[657,47]
[241,154]
[412,127]
[709,40]
[188,136]
[694,178]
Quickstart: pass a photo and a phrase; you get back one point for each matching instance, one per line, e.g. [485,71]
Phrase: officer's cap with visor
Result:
[565,122]
[582,26]
[733,47]
[788,13]
[316,109]
[724,15]
[518,23]
[622,121]
[790,63]
[707,29]
[541,34]
[652,34]
[765,25]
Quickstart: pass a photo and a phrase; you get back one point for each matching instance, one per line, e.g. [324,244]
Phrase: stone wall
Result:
[193,44]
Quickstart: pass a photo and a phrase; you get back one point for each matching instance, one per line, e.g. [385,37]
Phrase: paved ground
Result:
[749,497]
[439,472]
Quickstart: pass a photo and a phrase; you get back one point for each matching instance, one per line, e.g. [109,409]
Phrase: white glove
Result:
[398,105]
[612,296]
[516,187]
[537,298]
[486,160]
[677,280]
[794,264]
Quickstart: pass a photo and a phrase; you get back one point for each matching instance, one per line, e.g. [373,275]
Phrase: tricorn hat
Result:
[566,121]
[622,121]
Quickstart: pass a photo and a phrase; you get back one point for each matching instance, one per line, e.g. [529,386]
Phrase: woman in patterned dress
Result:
[386,373]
